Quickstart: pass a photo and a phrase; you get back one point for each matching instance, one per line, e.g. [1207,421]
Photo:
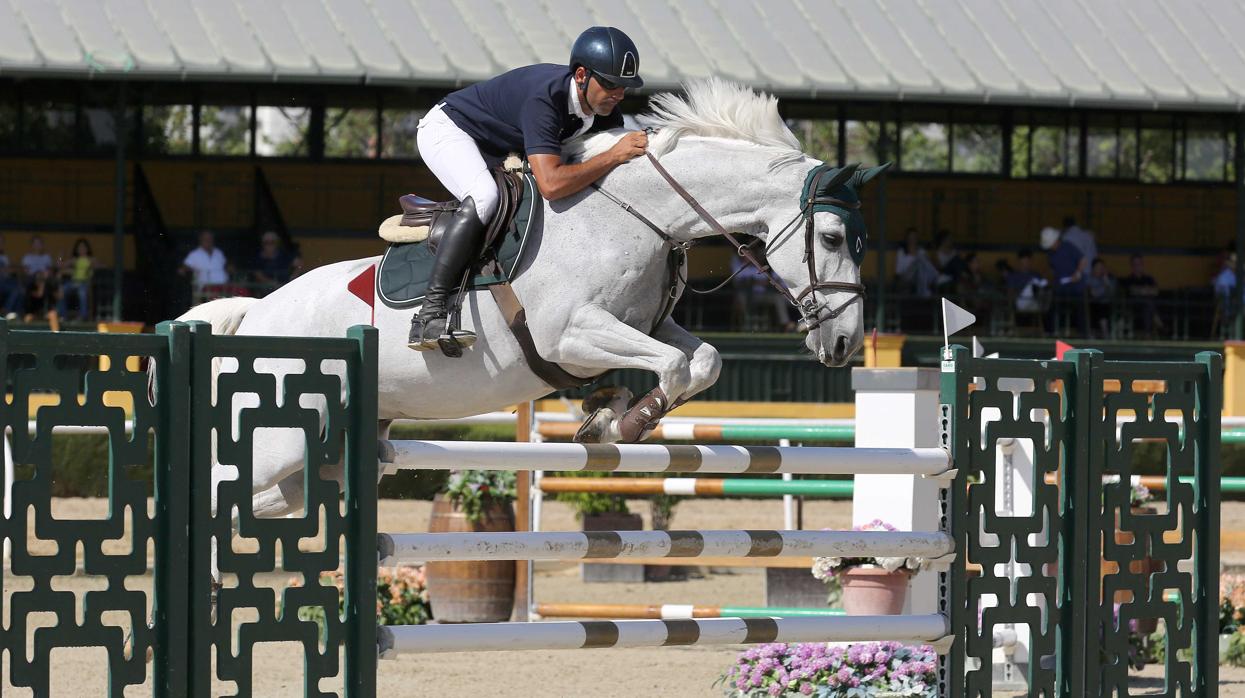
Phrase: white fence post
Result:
[898,408]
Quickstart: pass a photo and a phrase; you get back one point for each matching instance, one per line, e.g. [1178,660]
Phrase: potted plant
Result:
[401,597]
[600,511]
[816,668]
[473,592]
[871,586]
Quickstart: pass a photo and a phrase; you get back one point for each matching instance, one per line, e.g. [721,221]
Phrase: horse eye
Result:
[831,240]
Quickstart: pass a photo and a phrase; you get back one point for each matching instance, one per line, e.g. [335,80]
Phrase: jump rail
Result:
[651,458]
[699,486]
[409,548]
[564,635]
[669,611]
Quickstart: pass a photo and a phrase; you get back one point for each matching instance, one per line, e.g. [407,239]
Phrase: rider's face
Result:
[602,98]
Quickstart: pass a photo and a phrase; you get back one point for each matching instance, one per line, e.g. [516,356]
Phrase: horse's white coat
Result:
[592,287]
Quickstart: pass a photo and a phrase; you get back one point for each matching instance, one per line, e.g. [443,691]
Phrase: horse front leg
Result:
[596,340]
[705,364]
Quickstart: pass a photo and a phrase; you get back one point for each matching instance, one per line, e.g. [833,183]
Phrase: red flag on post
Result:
[364,287]
[1061,348]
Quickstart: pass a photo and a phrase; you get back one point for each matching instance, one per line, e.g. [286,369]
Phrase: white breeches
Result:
[455,159]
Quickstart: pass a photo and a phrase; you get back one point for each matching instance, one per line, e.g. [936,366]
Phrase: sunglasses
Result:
[606,84]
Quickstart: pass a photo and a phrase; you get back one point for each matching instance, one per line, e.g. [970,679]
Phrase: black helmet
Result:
[609,54]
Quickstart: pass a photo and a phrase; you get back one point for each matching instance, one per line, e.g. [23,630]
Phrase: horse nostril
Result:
[840,345]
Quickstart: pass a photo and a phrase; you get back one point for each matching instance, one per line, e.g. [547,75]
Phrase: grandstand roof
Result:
[1187,54]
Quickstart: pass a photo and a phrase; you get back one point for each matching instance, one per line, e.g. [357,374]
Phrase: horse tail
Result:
[223,314]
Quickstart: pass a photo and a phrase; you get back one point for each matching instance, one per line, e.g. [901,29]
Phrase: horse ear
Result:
[862,177]
[840,176]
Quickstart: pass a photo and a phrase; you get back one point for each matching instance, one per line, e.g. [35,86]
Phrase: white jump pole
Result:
[395,640]
[9,476]
[646,458]
[411,548]
[788,501]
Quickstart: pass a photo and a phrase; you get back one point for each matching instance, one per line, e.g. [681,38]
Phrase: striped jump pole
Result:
[1159,482]
[667,431]
[670,611]
[649,458]
[395,640]
[411,548]
[699,486]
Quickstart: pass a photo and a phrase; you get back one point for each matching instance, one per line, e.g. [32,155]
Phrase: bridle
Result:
[814,313]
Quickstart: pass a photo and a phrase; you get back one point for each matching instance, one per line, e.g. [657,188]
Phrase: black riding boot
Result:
[459,243]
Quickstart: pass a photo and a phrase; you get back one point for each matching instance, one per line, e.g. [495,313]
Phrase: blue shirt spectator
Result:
[1065,262]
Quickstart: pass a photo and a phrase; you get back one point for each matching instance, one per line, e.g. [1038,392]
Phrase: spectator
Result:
[10,286]
[1082,239]
[1225,280]
[37,259]
[274,265]
[40,295]
[78,280]
[1067,266]
[207,263]
[948,260]
[913,270]
[1024,284]
[973,289]
[1141,291]
[1101,290]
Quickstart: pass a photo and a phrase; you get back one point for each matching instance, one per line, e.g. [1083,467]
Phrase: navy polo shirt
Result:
[1063,263]
[522,111]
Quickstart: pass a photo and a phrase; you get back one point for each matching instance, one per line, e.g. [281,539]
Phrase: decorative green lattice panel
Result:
[1175,407]
[330,399]
[63,373]
[321,396]
[1044,569]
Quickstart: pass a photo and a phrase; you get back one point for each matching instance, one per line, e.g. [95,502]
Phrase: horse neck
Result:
[734,182]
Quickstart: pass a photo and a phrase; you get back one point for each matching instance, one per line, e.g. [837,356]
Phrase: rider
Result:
[532,110]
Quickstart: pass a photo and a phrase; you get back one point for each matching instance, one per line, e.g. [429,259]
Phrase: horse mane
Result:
[712,108]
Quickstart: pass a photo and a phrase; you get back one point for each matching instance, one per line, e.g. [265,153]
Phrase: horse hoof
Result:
[599,428]
[127,650]
[616,397]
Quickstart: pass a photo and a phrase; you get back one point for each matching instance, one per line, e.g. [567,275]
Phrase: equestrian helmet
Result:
[609,54]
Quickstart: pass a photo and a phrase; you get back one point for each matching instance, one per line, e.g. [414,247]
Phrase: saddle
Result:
[421,218]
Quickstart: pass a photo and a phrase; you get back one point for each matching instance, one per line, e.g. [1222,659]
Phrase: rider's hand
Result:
[632,145]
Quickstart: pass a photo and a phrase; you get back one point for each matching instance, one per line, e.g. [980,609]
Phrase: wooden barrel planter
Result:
[470,592]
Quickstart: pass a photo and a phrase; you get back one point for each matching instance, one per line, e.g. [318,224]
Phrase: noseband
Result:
[812,312]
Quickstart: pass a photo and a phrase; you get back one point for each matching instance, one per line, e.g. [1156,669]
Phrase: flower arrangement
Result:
[805,669]
[825,568]
[1139,494]
[401,597]
[470,490]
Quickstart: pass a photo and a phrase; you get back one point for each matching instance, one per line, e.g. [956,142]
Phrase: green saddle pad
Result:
[406,268]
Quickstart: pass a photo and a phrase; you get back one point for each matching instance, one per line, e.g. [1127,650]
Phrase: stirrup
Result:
[448,343]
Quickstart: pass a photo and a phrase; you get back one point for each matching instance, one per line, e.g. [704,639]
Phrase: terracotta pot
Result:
[470,592]
[869,590]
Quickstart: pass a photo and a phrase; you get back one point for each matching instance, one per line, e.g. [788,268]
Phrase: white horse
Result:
[594,281]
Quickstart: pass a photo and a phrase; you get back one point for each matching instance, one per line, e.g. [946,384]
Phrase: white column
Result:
[898,408]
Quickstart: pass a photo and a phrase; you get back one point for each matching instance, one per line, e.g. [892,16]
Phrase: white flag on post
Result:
[954,319]
[978,350]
